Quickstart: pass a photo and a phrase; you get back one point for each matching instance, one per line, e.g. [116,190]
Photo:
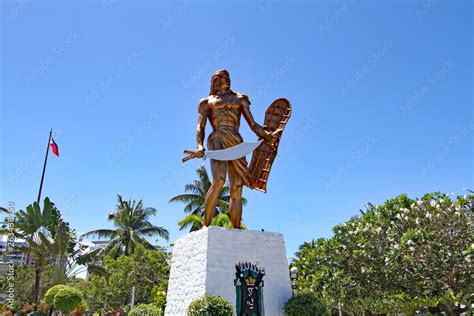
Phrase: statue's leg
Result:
[236,185]
[218,169]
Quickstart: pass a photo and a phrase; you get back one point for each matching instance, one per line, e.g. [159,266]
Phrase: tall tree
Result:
[132,225]
[194,196]
[46,236]
[146,270]
[402,256]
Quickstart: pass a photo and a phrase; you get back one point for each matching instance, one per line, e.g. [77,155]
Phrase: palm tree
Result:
[33,225]
[308,245]
[40,249]
[303,249]
[67,252]
[194,196]
[132,226]
[196,222]
[47,237]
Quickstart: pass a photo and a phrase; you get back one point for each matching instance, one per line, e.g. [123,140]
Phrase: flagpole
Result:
[44,166]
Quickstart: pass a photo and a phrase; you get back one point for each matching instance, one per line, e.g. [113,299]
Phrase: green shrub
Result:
[305,304]
[127,309]
[159,299]
[210,305]
[51,293]
[67,299]
[145,310]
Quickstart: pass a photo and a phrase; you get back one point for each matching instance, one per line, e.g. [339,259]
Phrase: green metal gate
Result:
[249,289]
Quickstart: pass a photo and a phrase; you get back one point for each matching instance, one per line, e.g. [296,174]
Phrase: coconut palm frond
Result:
[100,233]
[94,269]
[154,231]
[132,225]
[191,220]
[184,198]
[221,220]
[194,198]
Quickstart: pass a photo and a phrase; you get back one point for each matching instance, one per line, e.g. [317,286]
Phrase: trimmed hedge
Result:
[145,310]
[210,305]
[305,304]
[51,293]
[67,299]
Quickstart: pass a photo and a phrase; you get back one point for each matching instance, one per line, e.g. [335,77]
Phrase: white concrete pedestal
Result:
[204,262]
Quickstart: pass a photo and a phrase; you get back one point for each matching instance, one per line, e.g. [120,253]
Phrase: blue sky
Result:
[381,94]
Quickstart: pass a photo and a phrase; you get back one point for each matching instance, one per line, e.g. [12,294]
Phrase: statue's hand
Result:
[200,151]
[273,137]
[277,134]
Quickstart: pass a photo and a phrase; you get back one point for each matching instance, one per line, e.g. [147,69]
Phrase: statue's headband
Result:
[219,73]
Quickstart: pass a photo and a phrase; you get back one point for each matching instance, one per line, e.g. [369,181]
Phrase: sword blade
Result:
[233,153]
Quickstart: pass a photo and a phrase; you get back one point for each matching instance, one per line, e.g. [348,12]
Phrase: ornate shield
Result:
[276,117]
[248,285]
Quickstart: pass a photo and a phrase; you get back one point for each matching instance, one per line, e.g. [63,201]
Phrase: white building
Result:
[14,255]
[98,244]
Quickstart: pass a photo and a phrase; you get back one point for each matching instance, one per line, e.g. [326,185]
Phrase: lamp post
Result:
[132,304]
[294,279]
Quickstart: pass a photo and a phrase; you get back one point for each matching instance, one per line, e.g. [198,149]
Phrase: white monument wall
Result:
[204,262]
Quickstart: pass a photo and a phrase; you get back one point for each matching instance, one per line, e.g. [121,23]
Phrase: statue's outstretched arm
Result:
[201,126]
[254,126]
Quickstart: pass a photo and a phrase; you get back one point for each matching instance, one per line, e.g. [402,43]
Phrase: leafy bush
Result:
[145,310]
[81,308]
[67,299]
[305,304]
[124,273]
[210,305]
[396,257]
[159,298]
[51,293]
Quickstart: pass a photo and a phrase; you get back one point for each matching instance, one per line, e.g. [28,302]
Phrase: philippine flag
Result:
[54,146]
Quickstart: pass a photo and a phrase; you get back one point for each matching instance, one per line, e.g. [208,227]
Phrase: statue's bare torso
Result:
[225,110]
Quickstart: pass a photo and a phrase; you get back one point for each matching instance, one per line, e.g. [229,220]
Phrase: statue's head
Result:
[220,80]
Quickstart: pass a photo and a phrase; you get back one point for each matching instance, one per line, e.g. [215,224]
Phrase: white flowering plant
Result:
[406,255]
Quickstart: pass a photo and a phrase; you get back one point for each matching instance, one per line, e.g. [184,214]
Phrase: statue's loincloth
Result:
[223,138]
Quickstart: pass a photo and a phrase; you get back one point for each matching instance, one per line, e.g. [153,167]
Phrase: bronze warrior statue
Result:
[224,108]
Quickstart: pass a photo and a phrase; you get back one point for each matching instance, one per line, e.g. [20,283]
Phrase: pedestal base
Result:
[203,262]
